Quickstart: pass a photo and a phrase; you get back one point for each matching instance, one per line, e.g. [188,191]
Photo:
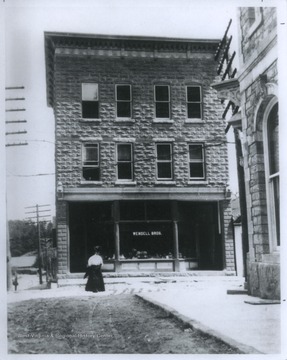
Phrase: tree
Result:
[24,236]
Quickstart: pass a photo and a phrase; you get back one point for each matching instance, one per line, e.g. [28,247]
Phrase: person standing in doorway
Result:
[95,281]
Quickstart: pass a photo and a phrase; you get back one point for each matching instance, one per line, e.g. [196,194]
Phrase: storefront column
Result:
[117,234]
[175,235]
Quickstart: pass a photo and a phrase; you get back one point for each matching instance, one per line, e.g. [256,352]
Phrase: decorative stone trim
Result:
[163,121]
[197,182]
[228,90]
[194,121]
[87,182]
[127,140]
[90,120]
[163,139]
[134,193]
[86,139]
[125,182]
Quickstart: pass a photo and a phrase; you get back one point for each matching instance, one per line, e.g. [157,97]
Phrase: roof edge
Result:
[127,37]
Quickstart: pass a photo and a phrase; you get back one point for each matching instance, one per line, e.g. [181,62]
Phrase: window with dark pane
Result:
[132,210]
[273,140]
[90,101]
[125,161]
[91,163]
[164,161]
[162,101]
[123,99]
[251,15]
[196,162]
[193,97]
[273,157]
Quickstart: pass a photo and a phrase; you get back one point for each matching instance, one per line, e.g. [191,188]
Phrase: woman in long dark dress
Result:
[95,281]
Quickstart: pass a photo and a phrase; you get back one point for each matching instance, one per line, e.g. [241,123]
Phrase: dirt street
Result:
[102,325]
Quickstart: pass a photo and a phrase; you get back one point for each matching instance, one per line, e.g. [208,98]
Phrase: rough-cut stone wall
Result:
[263,276]
[62,236]
[228,236]
[257,186]
[142,73]
[266,24]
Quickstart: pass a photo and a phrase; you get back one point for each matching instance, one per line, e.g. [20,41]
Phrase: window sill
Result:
[124,120]
[125,182]
[197,182]
[165,182]
[163,121]
[91,182]
[194,121]
[90,120]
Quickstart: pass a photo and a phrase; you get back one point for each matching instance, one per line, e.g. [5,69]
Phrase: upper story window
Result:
[251,15]
[90,101]
[164,161]
[196,162]
[194,102]
[125,162]
[91,162]
[124,101]
[254,19]
[162,101]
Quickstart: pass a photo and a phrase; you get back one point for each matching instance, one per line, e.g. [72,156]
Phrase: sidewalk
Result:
[202,302]
[249,327]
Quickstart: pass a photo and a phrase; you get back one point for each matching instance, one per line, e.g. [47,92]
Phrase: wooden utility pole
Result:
[37,216]
[12,110]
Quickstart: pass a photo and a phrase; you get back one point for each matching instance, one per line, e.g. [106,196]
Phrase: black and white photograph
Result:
[142,178]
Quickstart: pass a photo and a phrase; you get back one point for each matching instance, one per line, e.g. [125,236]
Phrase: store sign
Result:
[147,233]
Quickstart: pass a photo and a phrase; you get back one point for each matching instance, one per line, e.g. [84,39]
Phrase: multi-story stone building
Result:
[141,154]
[255,90]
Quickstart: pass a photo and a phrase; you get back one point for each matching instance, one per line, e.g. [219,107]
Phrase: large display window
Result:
[145,210]
[146,240]
[146,231]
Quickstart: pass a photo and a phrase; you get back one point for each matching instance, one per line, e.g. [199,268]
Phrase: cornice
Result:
[86,41]
[118,46]
[164,193]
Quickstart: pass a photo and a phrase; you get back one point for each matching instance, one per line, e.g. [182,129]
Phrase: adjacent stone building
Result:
[141,155]
[255,91]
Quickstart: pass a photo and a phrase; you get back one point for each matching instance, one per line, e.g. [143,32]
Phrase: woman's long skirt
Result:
[95,281]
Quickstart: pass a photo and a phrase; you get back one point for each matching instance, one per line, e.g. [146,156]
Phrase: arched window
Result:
[271,150]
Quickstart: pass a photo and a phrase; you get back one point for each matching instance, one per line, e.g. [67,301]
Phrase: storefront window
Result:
[132,210]
[145,210]
[142,236]
[146,240]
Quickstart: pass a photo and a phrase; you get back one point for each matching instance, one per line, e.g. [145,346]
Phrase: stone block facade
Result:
[71,72]
[258,81]
[142,63]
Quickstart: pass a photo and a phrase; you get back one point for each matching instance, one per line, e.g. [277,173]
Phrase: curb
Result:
[244,349]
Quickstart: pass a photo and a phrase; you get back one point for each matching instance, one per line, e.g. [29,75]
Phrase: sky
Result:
[30,169]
